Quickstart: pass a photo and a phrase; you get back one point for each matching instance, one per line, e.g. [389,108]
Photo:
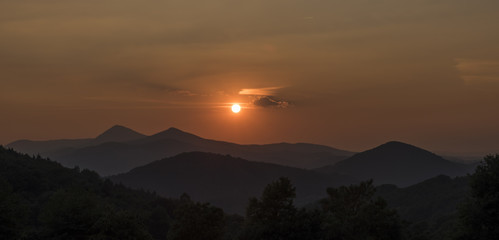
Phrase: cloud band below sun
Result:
[270,101]
[265,97]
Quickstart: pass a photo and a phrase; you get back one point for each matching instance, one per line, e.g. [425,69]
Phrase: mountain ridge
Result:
[131,149]
[396,162]
[223,180]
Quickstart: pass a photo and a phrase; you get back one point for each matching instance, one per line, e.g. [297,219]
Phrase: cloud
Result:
[182,92]
[153,86]
[268,91]
[476,70]
[270,101]
[265,97]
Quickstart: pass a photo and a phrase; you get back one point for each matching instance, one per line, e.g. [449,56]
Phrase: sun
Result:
[236,108]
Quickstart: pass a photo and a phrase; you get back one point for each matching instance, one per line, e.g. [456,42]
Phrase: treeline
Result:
[40,199]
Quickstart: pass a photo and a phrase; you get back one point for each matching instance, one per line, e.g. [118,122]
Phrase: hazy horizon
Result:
[346,74]
[464,157]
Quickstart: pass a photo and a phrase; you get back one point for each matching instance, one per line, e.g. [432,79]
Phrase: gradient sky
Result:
[349,74]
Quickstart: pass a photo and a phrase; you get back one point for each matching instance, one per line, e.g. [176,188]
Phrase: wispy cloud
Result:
[158,86]
[182,92]
[476,70]
[268,91]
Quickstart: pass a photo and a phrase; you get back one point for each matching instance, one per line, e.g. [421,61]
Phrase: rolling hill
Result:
[52,148]
[223,180]
[431,206]
[40,199]
[397,163]
[120,149]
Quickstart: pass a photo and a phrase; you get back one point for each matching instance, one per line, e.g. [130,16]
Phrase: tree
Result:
[40,199]
[273,215]
[351,213]
[119,225]
[197,221]
[13,212]
[479,216]
[70,214]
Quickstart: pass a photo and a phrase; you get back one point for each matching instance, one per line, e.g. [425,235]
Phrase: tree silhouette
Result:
[351,213]
[273,215]
[70,214]
[197,221]
[119,225]
[480,214]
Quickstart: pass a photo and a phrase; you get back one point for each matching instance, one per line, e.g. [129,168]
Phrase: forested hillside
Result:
[397,163]
[40,199]
[223,180]
[431,207]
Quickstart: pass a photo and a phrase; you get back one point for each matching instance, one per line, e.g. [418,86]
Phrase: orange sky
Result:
[349,74]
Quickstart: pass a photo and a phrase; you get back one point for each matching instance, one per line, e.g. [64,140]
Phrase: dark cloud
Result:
[182,92]
[152,86]
[270,101]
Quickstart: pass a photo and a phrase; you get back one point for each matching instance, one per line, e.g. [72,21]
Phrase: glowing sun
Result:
[236,108]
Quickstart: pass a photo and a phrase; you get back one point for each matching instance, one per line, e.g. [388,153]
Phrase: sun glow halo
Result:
[236,108]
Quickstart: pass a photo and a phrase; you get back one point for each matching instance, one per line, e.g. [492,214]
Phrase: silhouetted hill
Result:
[113,157]
[118,134]
[120,149]
[223,180]
[53,148]
[396,163]
[173,133]
[430,205]
[48,148]
[40,199]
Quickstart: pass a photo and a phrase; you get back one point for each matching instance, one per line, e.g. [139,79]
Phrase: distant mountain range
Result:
[397,163]
[225,181]
[121,149]
[227,174]
[228,182]
[31,186]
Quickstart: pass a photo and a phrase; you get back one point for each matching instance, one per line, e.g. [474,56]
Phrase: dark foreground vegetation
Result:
[40,199]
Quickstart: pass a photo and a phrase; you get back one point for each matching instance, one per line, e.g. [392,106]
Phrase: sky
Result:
[348,74]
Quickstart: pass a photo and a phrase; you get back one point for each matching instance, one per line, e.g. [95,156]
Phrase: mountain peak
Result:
[396,144]
[400,147]
[174,130]
[118,127]
[397,163]
[118,133]
[176,134]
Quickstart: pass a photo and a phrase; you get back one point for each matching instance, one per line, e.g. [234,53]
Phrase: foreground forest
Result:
[40,199]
